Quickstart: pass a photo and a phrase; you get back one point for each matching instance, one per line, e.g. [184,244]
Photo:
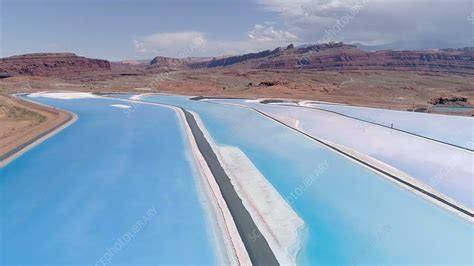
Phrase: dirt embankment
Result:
[22,122]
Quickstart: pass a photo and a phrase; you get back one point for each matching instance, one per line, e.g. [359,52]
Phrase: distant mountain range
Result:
[331,56]
[340,56]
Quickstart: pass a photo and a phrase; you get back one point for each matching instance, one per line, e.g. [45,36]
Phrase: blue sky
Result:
[117,30]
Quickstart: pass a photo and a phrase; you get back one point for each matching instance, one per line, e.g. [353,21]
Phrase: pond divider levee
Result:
[460,210]
[382,125]
[257,248]
[255,243]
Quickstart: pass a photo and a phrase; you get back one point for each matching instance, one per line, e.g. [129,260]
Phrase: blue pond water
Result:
[447,169]
[455,130]
[353,216]
[112,173]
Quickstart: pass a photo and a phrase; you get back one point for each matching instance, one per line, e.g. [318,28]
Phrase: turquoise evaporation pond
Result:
[455,130]
[78,193]
[353,216]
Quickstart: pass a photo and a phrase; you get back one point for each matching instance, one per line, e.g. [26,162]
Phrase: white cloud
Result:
[179,44]
[185,44]
[422,22]
[261,33]
[379,21]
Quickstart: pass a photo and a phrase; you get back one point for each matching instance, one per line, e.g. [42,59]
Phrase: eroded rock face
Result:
[161,63]
[227,61]
[340,56]
[51,65]
[347,57]
[169,62]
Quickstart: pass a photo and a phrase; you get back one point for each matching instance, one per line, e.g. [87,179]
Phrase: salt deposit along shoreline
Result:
[389,172]
[227,220]
[266,230]
[258,249]
[230,247]
[243,237]
[385,126]
[314,105]
[234,250]
[278,222]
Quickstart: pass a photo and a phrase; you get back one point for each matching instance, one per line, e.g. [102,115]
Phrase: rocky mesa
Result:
[51,65]
[340,56]
[318,57]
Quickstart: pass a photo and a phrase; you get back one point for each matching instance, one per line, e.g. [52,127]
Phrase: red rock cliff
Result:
[51,64]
